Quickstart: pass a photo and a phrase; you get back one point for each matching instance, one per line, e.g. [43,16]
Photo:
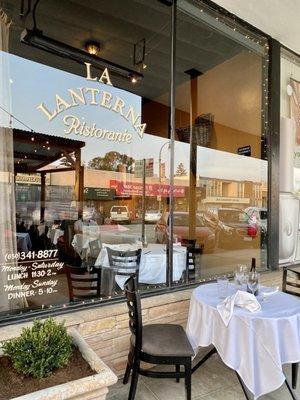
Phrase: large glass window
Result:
[86,154]
[220,151]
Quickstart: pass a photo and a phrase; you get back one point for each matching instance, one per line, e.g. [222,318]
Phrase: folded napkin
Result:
[240,299]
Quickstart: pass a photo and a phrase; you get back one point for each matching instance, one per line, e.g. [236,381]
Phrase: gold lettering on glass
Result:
[94,96]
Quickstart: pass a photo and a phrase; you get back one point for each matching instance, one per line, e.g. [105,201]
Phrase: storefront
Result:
[125,123]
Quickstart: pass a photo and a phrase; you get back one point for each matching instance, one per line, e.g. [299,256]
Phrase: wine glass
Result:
[253,282]
[240,276]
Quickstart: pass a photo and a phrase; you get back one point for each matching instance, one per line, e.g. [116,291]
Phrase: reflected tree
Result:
[180,170]
[113,161]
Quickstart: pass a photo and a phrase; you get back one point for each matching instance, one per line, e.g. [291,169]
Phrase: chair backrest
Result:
[193,262]
[188,242]
[83,284]
[69,232]
[126,263]
[95,248]
[291,281]
[134,310]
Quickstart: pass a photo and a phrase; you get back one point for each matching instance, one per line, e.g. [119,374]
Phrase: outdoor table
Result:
[23,241]
[153,264]
[255,345]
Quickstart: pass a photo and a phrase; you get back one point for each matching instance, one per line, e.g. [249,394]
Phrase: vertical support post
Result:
[144,200]
[193,155]
[172,141]
[79,171]
[43,196]
[273,154]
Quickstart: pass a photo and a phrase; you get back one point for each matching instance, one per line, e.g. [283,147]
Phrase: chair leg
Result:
[129,365]
[188,381]
[127,374]
[134,379]
[295,367]
[177,368]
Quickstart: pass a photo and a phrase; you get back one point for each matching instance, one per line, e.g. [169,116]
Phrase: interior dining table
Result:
[54,234]
[254,344]
[23,241]
[153,263]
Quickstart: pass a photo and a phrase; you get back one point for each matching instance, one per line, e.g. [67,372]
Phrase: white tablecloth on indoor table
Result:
[54,234]
[23,241]
[256,345]
[81,241]
[153,265]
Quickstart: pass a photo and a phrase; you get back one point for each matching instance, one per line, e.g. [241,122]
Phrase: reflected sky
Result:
[33,83]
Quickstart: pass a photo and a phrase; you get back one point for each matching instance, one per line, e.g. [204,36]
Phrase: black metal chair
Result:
[291,285]
[193,262]
[155,344]
[121,263]
[83,284]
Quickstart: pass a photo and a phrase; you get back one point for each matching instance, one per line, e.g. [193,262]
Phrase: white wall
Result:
[277,18]
[289,69]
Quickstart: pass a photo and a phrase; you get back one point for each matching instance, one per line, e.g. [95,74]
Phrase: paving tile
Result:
[120,392]
[211,377]
[229,393]
[213,381]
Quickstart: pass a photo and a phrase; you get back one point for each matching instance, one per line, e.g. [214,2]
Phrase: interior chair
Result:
[67,251]
[121,263]
[82,283]
[291,285]
[95,248]
[162,344]
[193,262]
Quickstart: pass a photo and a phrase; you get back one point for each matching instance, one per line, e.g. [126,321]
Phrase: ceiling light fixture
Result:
[92,47]
[35,38]
[134,78]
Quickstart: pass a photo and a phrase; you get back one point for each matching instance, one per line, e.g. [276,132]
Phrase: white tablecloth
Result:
[81,241]
[153,265]
[23,241]
[54,234]
[256,345]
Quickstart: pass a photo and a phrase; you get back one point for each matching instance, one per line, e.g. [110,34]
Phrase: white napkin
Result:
[240,299]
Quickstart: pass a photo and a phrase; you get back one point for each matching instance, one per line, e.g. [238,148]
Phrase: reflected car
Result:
[205,236]
[212,221]
[152,216]
[120,214]
[239,232]
[259,216]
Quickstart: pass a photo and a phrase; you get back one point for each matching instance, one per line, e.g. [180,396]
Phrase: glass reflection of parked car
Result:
[152,216]
[240,231]
[259,216]
[212,221]
[120,214]
[205,236]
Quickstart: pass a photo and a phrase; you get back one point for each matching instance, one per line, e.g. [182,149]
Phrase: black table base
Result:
[213,351]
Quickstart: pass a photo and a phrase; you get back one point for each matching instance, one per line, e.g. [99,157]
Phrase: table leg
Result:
[292,393]
[295,367]
[202,361]
[243,386]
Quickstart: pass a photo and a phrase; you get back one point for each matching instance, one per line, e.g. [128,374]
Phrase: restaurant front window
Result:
[86,151]
[221,129]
